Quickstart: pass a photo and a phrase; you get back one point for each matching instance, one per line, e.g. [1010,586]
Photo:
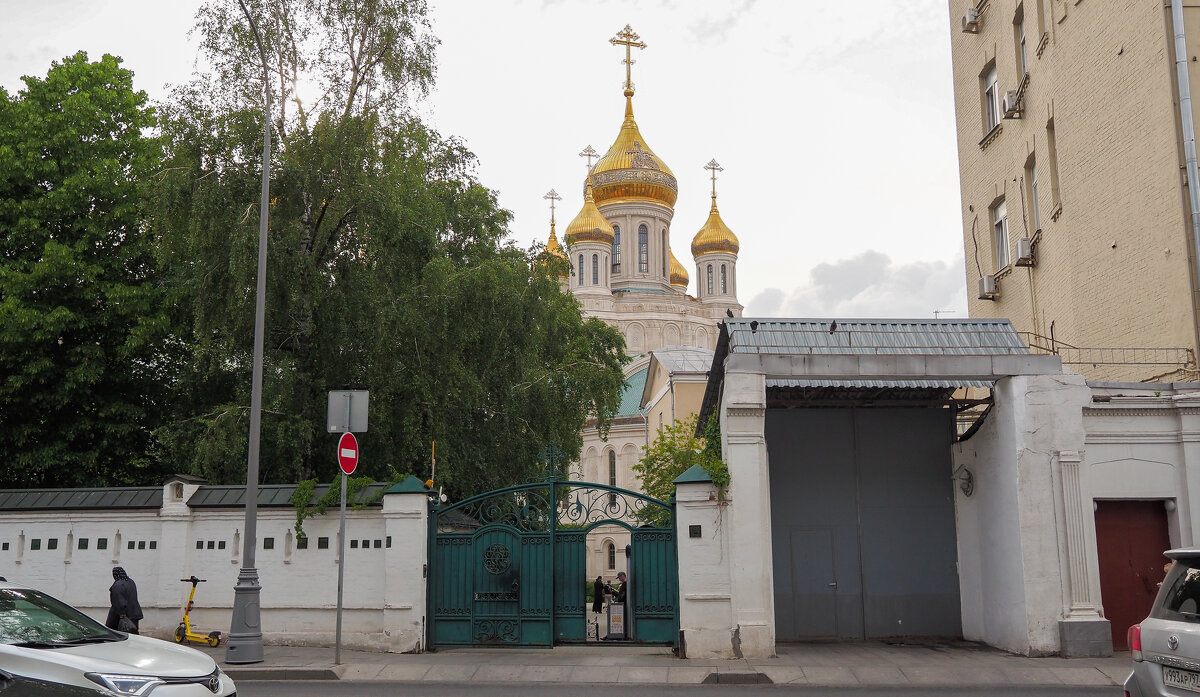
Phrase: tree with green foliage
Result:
[83,360]
[675,450]
[388,267]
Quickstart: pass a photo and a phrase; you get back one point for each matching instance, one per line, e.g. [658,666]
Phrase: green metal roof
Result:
[631,394]
[66,499]
[694,474]
[269,495]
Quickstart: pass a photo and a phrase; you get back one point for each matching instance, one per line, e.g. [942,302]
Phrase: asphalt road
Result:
[331,688]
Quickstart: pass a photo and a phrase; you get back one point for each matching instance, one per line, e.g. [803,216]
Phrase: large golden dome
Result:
[631,170]
[589,225]
[679,275]
[715,236]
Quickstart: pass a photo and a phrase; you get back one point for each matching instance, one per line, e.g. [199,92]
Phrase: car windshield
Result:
[1179,597]
[35,619]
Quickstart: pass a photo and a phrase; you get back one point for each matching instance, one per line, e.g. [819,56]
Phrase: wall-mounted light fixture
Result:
[966,480]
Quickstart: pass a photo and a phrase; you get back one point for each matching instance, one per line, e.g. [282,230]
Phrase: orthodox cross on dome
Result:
[552,196]
[629,40]
[714,168]
[589,153]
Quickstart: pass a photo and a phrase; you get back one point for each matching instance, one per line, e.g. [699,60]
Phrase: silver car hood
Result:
[136,655]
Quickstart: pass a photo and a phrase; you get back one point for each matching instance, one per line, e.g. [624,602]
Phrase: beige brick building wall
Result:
[1099,125]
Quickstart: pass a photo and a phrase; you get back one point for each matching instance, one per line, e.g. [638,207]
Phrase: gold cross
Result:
[589,153]
[629,40]
[714,167]
[553,196]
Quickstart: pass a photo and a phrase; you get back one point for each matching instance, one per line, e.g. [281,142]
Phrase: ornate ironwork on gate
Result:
[509,567]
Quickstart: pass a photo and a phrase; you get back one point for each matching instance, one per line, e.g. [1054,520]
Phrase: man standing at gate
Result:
[622,591]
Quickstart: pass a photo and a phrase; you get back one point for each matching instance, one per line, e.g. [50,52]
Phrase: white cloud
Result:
[870,285]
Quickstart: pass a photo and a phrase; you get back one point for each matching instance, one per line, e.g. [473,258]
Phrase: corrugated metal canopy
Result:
[67,499]
[979,337]
[874,384]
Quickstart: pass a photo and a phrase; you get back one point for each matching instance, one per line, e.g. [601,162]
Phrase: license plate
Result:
[1183,679]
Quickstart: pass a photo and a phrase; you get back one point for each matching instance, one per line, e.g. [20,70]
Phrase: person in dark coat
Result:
[598,596]
[123,601]
[622,590]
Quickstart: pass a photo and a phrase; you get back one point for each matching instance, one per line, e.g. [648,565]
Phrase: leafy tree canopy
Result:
[388,267]
[675,450]
[82,361]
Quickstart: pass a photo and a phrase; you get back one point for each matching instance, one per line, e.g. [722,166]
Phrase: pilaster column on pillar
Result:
[1081,603]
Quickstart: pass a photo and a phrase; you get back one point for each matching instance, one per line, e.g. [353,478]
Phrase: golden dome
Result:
[679,275]
[589,225]
[715,236]
[630,170]
[552,245]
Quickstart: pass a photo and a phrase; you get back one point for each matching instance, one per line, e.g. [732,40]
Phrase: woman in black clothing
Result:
[598,596]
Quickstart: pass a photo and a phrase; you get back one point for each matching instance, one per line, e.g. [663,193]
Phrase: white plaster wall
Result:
[705,606]
[383,596]
[1013,563]
[1143,442]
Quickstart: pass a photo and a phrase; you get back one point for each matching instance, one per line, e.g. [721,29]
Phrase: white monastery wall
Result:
[384,592]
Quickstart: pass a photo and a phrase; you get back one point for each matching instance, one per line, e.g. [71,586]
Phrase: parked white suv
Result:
[1166,645]
[46,642]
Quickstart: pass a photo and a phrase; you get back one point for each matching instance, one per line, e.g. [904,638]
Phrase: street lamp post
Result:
[245,631]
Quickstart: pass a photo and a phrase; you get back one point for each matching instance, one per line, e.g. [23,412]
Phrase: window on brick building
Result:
[991,98]
[1031,183]
[1019,39]
[1052,151]
[1000,234]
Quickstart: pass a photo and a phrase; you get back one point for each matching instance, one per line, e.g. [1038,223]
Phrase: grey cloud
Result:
[870,285]
[716,28]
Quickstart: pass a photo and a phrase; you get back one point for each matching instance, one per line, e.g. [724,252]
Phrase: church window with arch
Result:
[643,249]
[723,280]
[595,269]
[710,279]
[616,253]
[612,477]
[580,269]
[612,556]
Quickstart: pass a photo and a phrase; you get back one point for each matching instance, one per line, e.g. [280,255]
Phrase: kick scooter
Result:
[185,631]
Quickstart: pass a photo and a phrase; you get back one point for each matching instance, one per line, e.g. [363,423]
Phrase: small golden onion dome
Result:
[679,275]
[630,170]
[589,225]
[715,236]
[552,245]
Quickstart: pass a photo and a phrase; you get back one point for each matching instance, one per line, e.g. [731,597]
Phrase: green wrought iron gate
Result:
[509,567]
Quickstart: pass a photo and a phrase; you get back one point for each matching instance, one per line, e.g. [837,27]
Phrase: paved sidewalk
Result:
[868,664]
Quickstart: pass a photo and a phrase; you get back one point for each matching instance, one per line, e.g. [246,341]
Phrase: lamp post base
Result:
[245,631]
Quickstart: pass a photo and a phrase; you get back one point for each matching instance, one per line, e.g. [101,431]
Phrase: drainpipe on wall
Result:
[1189,152]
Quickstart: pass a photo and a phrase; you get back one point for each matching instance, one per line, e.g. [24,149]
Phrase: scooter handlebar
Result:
[193,580]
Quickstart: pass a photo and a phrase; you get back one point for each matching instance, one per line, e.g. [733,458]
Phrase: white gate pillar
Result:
[406,525]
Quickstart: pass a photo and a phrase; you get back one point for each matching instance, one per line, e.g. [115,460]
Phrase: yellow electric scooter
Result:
[185,631]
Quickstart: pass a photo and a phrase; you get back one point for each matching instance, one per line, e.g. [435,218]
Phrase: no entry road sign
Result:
[347,452]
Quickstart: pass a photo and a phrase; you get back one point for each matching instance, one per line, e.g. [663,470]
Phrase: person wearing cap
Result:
[123,602]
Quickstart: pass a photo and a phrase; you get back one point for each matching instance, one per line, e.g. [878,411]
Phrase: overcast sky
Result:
[834,123]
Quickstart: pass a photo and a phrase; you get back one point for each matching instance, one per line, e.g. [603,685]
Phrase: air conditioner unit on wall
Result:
[1024,252]
[1011,105]
[971,21]
[987,287]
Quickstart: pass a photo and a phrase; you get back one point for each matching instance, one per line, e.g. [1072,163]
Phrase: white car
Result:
[1165,646]
[44,641]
